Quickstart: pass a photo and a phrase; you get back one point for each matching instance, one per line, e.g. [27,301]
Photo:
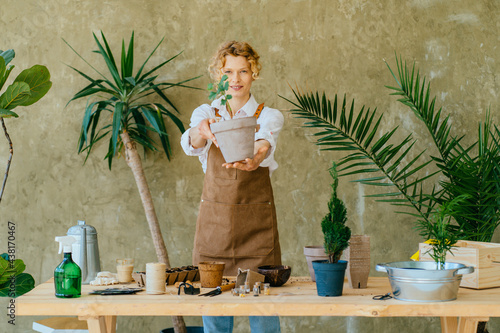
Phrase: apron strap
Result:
[256,114]
[259,110]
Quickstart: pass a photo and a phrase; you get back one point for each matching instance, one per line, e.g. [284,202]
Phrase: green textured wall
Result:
[336,46]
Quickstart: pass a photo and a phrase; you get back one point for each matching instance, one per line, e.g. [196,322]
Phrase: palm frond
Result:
[341,128]
[466,173]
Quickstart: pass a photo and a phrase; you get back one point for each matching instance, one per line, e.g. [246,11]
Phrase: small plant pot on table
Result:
[329,277]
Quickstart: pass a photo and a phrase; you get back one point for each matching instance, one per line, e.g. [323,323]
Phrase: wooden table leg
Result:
[469,324]
[95,324]
[110,324]
[449,324]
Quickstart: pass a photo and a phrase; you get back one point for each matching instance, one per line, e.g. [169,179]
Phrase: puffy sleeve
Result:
[202,112]
[271,122]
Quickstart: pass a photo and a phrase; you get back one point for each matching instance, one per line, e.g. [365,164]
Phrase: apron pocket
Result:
[228,230]
[213,230]
[254,229]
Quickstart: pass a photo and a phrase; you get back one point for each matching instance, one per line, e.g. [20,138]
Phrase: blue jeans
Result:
[258,324]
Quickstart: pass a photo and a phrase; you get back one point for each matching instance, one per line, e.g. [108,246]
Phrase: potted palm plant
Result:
[430,281]
[123,112]
[330,273]
[457,169]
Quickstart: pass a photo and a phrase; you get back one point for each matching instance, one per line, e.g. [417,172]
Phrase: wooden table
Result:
[296,298]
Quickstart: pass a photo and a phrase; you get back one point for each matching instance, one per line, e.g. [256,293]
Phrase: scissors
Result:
[189,289]
[382,297]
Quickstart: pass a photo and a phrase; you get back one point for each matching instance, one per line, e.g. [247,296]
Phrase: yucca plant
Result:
[422,183]
[124,112]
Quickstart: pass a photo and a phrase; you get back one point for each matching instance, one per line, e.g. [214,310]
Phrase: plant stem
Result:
[11,152]
[134,162]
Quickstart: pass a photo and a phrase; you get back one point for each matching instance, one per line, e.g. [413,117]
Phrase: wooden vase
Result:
[358,257]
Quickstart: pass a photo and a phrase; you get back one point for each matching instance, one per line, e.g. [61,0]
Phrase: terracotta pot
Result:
[314,252]
[358,256]
[211,273]
[235,138]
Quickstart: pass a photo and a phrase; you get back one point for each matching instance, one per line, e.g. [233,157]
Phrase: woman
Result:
[237,219]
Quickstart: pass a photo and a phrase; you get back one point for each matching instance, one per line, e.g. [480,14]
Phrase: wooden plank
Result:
[60,323]
[110,324]
[469,324]
[296,298]
[449,324]
[485,257]
[95,324]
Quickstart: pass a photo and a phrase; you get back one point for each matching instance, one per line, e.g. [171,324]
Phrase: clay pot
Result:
[315,252]
[358,257]
[211,273]
[235,138]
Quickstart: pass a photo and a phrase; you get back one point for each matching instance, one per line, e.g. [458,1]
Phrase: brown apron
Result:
[237,218]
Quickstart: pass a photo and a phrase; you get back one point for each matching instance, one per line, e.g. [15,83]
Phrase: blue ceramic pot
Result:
[329,277]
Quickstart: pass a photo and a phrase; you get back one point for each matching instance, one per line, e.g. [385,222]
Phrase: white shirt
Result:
[270,121]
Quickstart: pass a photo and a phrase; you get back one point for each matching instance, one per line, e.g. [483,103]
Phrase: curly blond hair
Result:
[236,49]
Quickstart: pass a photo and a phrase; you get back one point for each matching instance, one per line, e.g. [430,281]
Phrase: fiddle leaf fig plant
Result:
[336,233]
[13,281]
[26,89]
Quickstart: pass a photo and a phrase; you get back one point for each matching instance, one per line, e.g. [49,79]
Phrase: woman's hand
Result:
[250,164]
[201,133]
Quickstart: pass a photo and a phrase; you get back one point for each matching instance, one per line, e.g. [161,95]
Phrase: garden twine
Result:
[155,278]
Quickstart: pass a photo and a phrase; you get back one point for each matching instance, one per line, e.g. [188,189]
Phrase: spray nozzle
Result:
[65,243]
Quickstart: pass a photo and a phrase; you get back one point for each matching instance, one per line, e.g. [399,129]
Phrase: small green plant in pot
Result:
[330,273]
[440,231]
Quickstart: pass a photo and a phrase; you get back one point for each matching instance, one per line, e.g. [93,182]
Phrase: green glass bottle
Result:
[67,275]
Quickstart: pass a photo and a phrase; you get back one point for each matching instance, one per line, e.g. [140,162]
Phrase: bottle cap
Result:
[65,243]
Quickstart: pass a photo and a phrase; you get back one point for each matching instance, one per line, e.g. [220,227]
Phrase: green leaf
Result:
[7,114]
[24,282]
[9,268]
[117,122]
[130,80]
[38,79]
[7,55]
[16,94]
[109,60]
[127,61]
[3,70]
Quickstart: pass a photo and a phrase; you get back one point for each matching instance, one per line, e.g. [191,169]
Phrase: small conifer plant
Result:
[336,233]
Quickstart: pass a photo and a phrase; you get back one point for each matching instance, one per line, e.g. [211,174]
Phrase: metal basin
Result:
[421,281]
